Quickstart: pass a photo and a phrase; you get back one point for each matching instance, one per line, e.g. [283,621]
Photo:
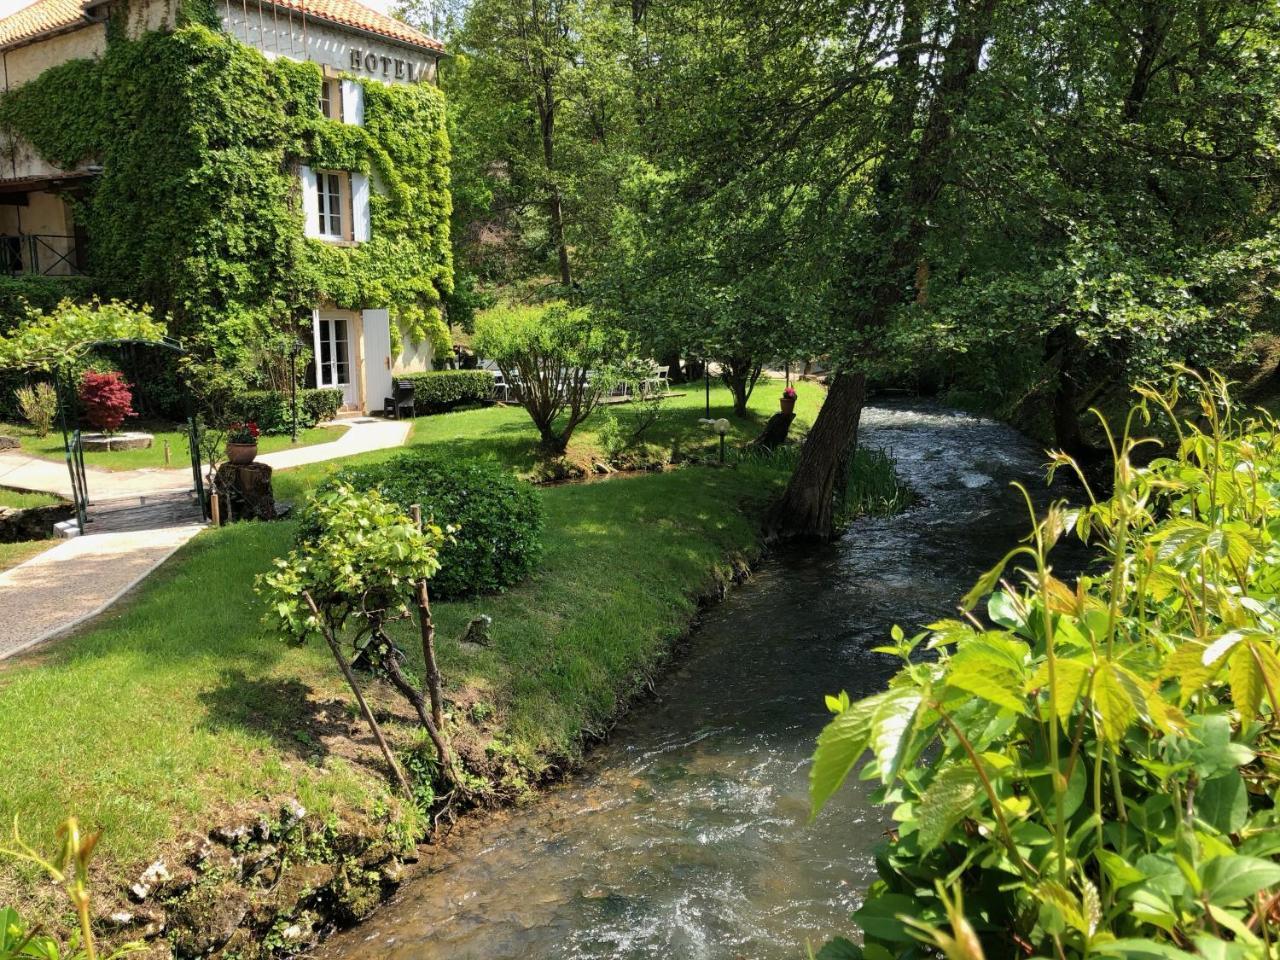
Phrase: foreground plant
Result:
[1097,769]
[69,869]
[361,564]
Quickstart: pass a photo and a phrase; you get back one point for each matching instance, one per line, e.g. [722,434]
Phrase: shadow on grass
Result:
[281,708]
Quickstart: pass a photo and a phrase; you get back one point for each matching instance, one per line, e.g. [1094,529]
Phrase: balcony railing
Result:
[48,254]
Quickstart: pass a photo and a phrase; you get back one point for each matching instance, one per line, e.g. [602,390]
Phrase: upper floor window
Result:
[335,204]
[330,201]
[331,98]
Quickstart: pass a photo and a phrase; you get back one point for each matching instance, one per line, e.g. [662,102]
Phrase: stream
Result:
[686,835]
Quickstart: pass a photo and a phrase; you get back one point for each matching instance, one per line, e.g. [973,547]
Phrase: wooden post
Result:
[429,641]
[167,455]
[215,508]
[364,707]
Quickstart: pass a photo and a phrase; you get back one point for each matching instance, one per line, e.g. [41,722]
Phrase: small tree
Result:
[550,355]
[106,399]
[39,405]
[60,338]
[360,565]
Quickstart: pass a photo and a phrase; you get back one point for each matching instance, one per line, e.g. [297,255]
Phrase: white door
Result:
[333,357]
[377,356]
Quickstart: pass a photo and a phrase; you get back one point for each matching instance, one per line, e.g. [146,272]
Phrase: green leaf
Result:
[1114,703]
[990,669]
[840,744]
[1119,871]
[878,917]
[839,949]
[947,799]
[1229,880]
[1251,670]
[1223,802]
[1143,950]
[891,728]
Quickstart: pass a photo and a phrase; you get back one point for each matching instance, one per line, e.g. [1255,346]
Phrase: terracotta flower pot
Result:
[788,404]
[241,453]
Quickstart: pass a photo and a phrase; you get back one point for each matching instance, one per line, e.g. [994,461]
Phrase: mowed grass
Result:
[25,500]
[51,447]
[12,554]
[176,706]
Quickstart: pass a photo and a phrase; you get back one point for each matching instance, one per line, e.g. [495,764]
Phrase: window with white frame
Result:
[331,98]
[330,204]
[336,205]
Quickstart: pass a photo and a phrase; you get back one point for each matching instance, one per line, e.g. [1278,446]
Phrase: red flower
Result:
[789,393]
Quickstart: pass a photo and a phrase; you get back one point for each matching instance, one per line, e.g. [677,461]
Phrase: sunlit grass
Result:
[176,705]
[153,457]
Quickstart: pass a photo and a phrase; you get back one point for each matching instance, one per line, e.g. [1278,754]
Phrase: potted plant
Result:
[242,442]
[788,401]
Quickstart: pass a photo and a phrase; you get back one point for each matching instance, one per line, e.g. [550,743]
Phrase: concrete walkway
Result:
[26,472]
[61,588]
[58,590]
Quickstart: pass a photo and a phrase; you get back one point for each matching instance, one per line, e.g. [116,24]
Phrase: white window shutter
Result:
[361,224]
[310,202]
[353,102]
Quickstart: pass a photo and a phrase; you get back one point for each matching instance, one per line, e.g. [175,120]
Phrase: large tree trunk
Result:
[555,211]
[806,508]
[910,180]
[740,376]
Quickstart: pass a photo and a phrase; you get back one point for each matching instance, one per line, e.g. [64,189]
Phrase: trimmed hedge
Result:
[498,519]
[441,390]
[270,409]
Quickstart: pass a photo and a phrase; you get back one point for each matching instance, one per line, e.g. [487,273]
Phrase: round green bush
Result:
[498,519]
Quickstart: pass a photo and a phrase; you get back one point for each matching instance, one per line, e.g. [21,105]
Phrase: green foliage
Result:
[61,337]
[39,405]
[441,390]
[494,521]
[1095,766]
[68,869]
[359,557]
[272,411]
[549,353]
[24,292]
[196,210]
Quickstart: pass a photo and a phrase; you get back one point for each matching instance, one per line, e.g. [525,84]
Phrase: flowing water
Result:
[687,834]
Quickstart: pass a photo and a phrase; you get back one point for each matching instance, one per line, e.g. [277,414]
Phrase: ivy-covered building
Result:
[261,171]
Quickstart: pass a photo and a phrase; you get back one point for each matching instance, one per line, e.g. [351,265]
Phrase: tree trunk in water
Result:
[806,508]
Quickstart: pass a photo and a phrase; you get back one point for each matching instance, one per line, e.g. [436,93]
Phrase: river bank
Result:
[234,762]
[686,835]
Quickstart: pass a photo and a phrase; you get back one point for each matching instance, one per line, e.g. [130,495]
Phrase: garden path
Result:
[60,589]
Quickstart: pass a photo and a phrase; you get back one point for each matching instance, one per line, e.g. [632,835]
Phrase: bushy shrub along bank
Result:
[441,390]
[273,412]
[496,521]
[1097,771]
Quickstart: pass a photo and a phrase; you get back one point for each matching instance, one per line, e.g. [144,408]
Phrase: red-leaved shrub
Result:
[106,400]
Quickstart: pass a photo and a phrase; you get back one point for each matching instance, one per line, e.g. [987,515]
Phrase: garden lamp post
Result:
[721,427]
[706,379]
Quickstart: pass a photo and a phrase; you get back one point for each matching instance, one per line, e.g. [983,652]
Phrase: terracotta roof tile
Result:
[353,14]
[46,16]
[43,16]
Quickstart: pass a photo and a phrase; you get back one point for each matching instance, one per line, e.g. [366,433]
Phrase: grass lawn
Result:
[51,448]
[22,500]
[12,554]
[175,706]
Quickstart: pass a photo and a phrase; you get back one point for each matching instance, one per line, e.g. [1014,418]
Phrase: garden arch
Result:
[129,351]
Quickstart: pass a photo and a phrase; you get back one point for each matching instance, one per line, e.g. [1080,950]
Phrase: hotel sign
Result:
[391,68]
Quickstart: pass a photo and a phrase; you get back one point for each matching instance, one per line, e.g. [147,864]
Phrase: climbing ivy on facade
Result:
[198,209]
